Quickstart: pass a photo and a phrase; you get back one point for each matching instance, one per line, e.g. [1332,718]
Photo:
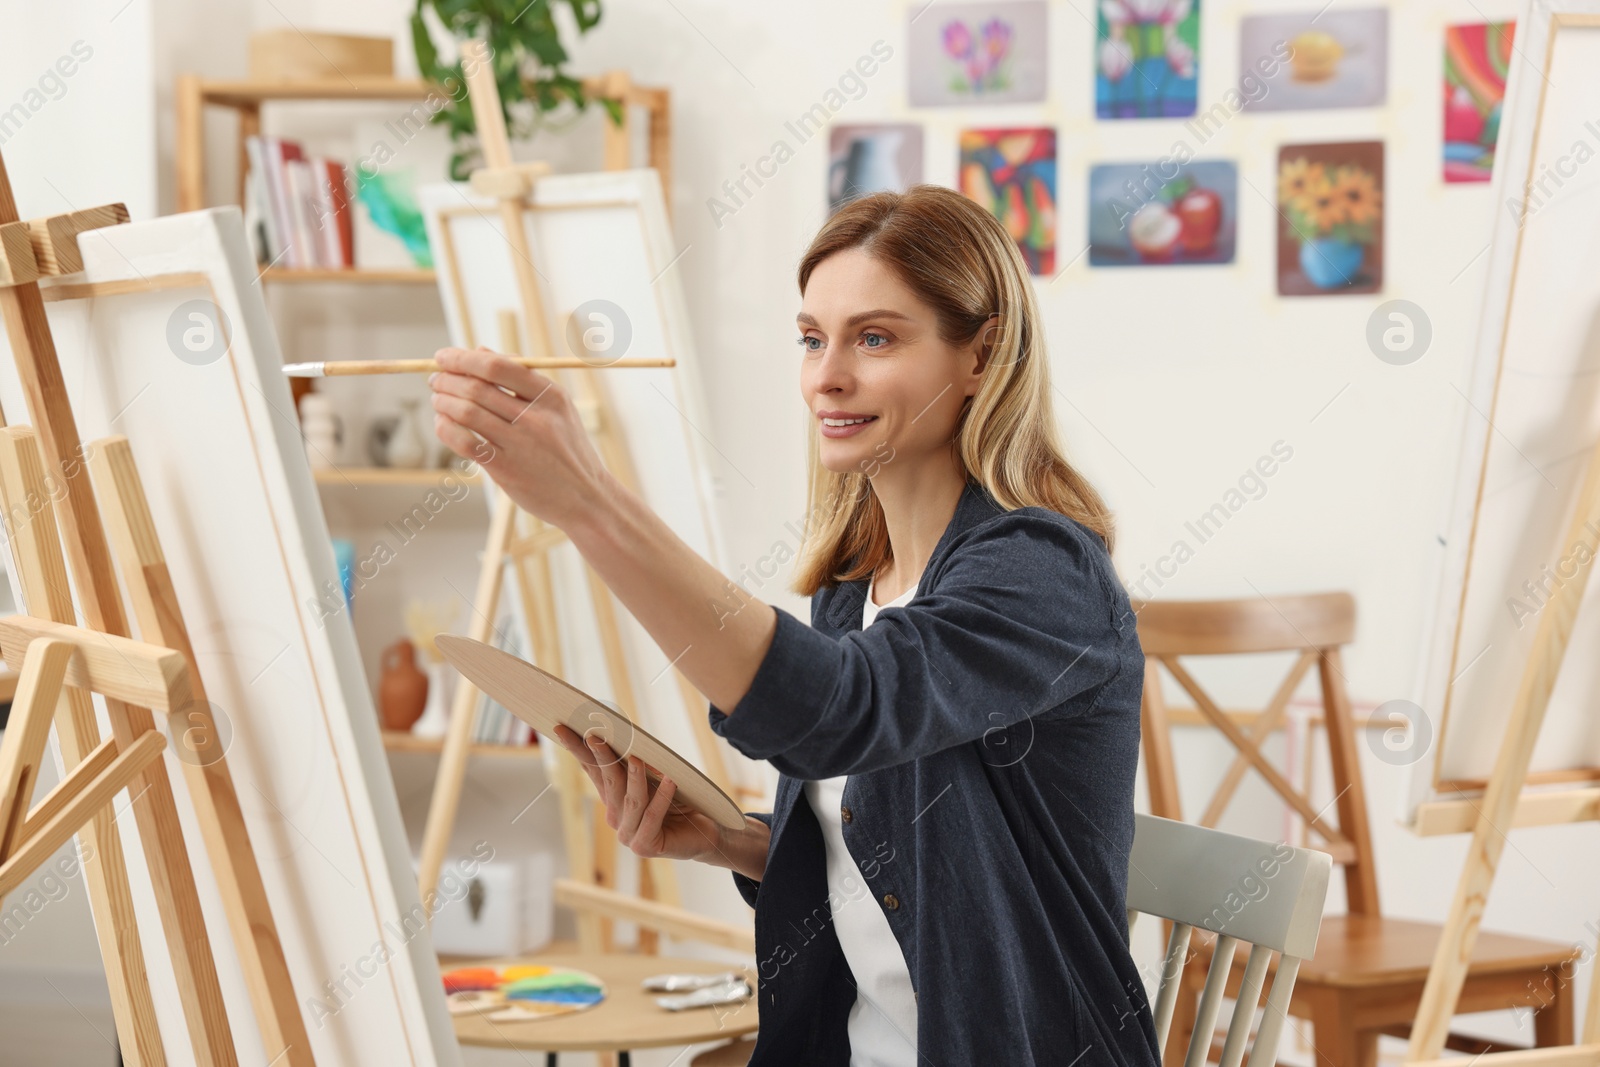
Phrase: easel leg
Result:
[31,527]
[206,770]
[22,744]
[453,759]
[538,609]
[1449,969]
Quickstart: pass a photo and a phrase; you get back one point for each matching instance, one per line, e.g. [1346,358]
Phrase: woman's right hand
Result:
[651,824]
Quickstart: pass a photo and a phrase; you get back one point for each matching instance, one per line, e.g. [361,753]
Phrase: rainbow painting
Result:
[1012,173]
[1476,57]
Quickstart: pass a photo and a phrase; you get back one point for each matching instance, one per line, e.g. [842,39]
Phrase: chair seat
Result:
[1365,950]
[1359,951]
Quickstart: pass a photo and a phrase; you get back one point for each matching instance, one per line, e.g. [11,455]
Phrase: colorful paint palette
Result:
[513,994]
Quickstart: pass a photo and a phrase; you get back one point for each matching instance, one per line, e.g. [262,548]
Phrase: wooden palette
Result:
[544,702]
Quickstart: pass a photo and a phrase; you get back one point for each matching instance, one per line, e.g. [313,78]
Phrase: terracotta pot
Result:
[403,687]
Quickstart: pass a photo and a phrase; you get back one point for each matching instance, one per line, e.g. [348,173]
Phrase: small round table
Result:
[628,1018]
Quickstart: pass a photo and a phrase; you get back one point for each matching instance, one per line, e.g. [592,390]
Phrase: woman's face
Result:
[871,350]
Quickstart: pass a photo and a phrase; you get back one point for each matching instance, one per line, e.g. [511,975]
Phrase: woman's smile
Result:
[844,423]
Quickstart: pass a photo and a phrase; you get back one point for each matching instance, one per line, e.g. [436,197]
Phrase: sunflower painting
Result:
[1147,53]
[1012,173]
[1330,218]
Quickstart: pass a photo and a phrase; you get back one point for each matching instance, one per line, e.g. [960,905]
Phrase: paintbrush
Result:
[336,368]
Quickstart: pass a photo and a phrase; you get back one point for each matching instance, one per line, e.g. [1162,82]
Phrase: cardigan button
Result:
[844,813]
[891,901]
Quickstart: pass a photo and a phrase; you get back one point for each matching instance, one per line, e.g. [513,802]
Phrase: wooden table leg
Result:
[1337,1045]
[1553,1024]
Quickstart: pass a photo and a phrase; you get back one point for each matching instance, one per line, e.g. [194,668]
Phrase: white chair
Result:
[1264,895]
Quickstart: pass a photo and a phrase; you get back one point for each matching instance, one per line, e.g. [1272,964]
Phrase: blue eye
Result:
[805,342]
[875,337]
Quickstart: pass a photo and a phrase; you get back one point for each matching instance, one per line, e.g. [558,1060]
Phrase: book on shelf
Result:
[299,208]
[495,725]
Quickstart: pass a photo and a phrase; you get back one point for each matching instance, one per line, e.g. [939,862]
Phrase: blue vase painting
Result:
[1330,262]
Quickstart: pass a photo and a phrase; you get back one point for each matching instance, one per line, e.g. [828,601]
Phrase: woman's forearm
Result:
[711,630]
[744,850]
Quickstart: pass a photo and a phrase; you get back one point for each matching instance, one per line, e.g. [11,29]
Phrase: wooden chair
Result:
[1190,876]
[1367,978]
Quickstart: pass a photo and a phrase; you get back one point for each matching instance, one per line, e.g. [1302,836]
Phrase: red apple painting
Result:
[1162,214]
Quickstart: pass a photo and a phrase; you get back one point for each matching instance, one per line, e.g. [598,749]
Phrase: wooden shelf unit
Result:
[195,94]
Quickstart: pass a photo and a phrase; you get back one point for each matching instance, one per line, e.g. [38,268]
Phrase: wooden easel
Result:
[1504,805]
[48,470]
[1499,810]
[524,543]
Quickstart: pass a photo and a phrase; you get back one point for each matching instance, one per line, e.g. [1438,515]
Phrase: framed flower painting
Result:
[1330,218]
[984,53]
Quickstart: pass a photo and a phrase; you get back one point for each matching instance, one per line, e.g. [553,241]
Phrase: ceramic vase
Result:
[1329,263]
[405,447]
[402,688]
[435,721]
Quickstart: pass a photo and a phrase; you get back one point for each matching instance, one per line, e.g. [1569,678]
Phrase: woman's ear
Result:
[986,343]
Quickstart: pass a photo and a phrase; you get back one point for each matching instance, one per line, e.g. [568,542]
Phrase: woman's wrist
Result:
[743,851]
[601,513]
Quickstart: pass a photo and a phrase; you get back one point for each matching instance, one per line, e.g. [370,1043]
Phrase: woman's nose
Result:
[833,367]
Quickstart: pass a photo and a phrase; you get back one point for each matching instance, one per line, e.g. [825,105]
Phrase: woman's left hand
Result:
[533,443]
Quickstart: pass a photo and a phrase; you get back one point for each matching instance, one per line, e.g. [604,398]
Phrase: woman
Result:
[955,802]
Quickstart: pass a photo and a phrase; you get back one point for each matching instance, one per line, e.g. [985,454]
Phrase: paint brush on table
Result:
[337,368]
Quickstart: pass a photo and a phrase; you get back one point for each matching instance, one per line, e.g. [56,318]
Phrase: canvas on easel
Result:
[605,263]
[1510,680]
[164,338]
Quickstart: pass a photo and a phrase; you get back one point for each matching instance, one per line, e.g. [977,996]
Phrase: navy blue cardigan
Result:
[990,729]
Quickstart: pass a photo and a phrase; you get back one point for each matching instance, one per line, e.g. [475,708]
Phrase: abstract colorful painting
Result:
[869,159]
[1163,213]
[1013,174]
[1330,218]
[1476,57]
[1147,53]
[978,53]
[1332,58]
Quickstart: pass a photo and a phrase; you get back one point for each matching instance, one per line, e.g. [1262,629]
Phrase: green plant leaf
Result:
[422,44]
[527,58]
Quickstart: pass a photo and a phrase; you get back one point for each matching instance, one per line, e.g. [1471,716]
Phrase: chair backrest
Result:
[1314,625]
[1246,892]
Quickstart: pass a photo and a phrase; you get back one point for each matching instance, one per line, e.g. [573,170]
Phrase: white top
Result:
[883,1021]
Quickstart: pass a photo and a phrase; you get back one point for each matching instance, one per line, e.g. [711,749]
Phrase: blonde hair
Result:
[959,260]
